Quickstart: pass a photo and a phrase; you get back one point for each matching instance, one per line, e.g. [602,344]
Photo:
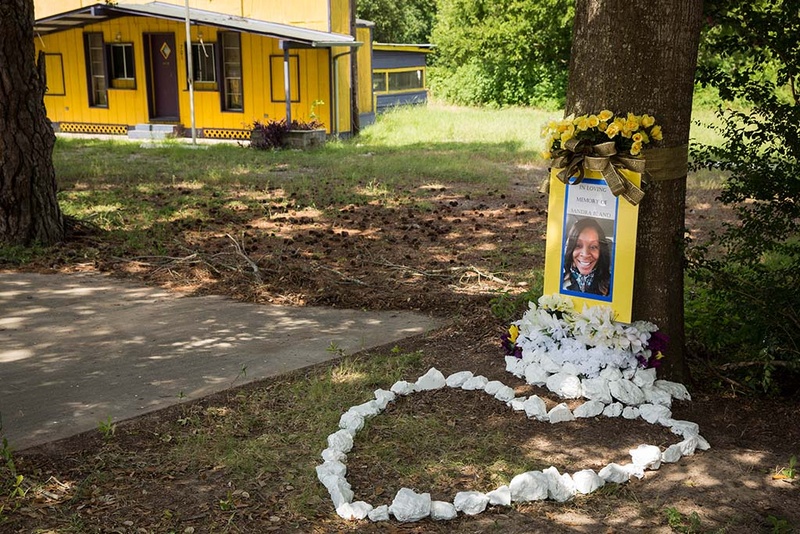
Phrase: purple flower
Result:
[658,342]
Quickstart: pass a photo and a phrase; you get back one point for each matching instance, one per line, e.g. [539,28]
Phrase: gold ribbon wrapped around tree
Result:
[604,143]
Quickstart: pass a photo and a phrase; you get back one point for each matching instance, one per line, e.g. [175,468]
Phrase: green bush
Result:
[744,309]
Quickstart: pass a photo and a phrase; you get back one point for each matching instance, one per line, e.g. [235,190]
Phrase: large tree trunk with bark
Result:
[29,211]
[640,56]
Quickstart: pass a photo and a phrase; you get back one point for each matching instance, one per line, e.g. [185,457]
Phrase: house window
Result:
[232,96]
[379,81]
[121,66]
[96,70]
[278,91]
[406,80]
[204,66]
[54,70]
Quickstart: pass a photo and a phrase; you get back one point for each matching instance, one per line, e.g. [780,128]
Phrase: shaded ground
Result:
[448,255]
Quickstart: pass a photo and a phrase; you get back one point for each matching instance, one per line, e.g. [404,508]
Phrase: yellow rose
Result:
[602,126]
[645,139]
[612,130]
[593,121]
[636,148]
[632,123]
[605,115]
[637,137]
[582,123]
[648,121]
[547,155]
[566,136]
[655,133]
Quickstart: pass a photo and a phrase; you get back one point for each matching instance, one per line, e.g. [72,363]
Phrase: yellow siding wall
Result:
[364,58]
[130,107]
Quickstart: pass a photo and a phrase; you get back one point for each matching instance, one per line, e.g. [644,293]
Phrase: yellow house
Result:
[137,67]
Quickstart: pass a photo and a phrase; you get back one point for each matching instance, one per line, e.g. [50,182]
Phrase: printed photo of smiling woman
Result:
[587,259]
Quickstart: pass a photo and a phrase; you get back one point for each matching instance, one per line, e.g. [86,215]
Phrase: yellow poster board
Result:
[591,243]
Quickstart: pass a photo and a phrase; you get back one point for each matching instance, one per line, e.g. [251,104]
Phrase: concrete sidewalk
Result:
[78,349]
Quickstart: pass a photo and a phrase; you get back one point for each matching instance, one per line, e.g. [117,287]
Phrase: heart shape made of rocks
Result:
[409,505]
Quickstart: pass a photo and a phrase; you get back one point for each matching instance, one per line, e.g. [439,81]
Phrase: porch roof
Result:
[101,12]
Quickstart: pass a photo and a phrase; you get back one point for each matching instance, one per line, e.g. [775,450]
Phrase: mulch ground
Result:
[448,259]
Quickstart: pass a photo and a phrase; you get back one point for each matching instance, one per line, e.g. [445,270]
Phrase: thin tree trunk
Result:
[639,56]
[29,211]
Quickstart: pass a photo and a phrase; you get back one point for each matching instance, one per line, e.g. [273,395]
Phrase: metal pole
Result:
[287,83]
[191,73]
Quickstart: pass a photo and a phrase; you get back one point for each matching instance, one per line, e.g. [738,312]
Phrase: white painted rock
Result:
[401,387]
[500,497]
[654,413]
[596,389]
[383,397]
[354,511]
[515,366]
[367,409]
[590,408]
[329,455]
[456,380]
[626,392]
[634,470]
[611,374]
[560,414]
[535,407]
[676,390]
[492,386]
[409,506]
[433,379]
[560,487]
[535,375]
[471,502]
[672,454]
[339,489]
[529,486]
[475,383]
[613,410]
[681,428]
[630,412]
[548,364]
[586,481]
[379,513]
[565,386]
[443,511]
[614,472]
[341,440]
[646,456]
[351,421]
[334,468]
[655,395]
[644,377]
[505,394]
[570,369]
[517,403]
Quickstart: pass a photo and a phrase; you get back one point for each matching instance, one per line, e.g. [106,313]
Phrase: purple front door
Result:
[162,76]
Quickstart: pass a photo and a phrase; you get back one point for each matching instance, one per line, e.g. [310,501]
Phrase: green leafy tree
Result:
[403,21]
[511,52]
[748,272]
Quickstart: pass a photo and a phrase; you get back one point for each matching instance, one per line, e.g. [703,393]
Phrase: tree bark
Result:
[640,56]
[29,210]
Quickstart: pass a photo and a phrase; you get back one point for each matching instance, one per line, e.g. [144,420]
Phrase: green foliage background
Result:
[744,311]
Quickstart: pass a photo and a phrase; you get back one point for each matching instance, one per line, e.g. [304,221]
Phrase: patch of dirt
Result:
[449,259]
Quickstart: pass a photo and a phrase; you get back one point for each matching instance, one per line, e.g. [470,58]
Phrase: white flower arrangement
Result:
[591,340]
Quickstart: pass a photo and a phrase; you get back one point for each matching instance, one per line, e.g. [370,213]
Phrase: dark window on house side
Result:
[406,80]
[232,91]
[379,81]
[121,68]
[96,70]
[204,66]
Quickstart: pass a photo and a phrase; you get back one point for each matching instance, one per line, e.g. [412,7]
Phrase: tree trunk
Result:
[640,56]
[29,211]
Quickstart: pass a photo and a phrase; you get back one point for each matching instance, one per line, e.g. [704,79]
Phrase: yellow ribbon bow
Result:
[577,156]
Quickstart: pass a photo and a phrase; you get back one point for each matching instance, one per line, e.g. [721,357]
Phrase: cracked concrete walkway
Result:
[77,349]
